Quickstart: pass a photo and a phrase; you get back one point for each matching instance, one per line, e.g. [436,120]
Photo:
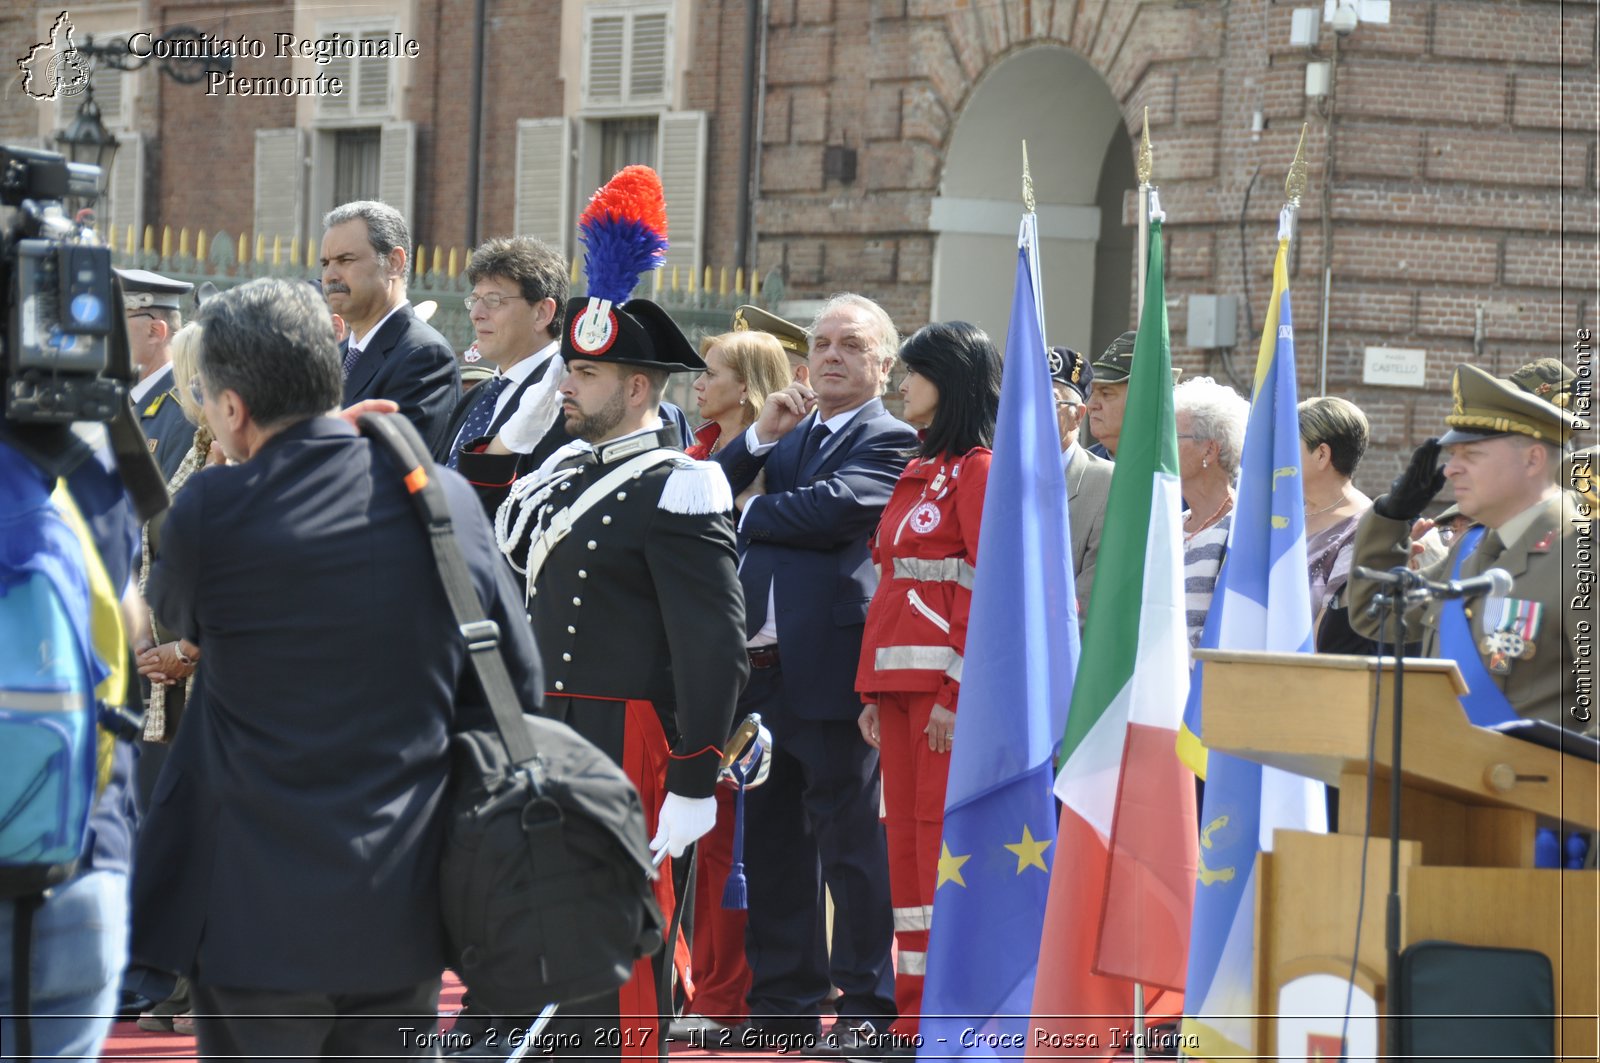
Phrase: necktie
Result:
[352,354]
[818,435]
[480,416]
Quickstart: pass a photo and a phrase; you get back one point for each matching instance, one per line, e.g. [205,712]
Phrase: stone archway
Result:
[1081,160]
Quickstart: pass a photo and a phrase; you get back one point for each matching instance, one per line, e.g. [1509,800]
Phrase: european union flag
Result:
[1022,652]
[1262,602]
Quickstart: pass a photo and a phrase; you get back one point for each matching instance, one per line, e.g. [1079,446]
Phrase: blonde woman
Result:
[742,369]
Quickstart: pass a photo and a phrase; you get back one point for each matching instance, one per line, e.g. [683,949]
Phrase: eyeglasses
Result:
[494,300]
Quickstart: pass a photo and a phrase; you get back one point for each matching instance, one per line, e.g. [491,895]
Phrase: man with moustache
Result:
[390,352]
[151,302]
[627,546]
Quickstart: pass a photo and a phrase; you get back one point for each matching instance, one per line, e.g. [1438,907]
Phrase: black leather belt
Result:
[763,656]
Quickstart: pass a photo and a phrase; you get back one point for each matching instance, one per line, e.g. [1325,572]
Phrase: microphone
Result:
[1495,582]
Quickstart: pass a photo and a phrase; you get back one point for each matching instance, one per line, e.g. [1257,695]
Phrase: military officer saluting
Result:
[1505,459]
[151,303]
[627,545]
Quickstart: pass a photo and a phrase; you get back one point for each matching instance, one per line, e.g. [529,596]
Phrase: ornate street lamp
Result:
[87,139]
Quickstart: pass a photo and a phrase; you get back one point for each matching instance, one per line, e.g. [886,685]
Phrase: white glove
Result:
[683,821]
[536,411]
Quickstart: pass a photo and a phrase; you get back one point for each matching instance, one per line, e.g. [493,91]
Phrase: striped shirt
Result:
[1202,558]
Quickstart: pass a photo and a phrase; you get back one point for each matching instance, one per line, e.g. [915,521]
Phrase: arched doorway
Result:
[1081,160]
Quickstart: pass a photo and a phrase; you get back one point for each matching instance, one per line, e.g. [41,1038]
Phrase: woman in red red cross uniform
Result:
[911,654]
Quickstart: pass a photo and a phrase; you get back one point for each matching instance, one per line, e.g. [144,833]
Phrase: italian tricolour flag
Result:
[1122,886]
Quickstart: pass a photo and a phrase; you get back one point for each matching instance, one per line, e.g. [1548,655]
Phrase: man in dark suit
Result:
[300,815]
[519,287]
[152,302]
[390,352]
[1088,475]
[812,477]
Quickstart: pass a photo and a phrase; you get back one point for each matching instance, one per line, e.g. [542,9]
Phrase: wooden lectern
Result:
[1471,802]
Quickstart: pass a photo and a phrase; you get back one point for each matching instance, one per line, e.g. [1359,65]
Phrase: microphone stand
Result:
[1405,588]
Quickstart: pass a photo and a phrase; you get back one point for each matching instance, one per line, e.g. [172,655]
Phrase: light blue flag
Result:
[1016,685]
[1262,602]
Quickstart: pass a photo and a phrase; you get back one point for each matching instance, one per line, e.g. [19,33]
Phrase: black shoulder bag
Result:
[545,882]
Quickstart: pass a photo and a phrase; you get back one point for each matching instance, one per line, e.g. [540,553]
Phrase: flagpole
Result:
[1144,170]
[1294,186]
[1030,223]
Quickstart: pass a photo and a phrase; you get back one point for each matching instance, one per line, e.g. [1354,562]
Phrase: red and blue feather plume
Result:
[624,231]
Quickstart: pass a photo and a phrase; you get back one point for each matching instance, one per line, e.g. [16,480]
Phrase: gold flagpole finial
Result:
[1294,185]
[1145,158]
[1027,181]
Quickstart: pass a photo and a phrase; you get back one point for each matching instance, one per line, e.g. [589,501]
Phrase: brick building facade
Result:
[1451,209]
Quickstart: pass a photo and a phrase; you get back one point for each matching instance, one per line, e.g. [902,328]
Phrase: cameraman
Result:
[79,933]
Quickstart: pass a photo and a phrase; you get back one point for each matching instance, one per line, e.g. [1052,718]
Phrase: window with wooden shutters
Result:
[368,82]
[681,162]
[627,55]
[280,184]
[397,171]
[544,147]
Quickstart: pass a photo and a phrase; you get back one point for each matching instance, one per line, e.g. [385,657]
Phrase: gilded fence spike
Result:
[277,251]
[738,281]
[183,242]
[149,239]
[438,258]
[1294,185]
[706,286]
[655,283]
[452,270]
[294,251]
[261,248]
[1146,164]
[132,245]
[166,242]
[675,284]
[755,285]
[244,249]
[200,245]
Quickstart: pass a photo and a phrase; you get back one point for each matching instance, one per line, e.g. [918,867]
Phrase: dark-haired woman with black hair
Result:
[910,673]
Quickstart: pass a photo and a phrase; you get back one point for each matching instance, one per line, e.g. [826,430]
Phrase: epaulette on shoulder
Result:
[696,487]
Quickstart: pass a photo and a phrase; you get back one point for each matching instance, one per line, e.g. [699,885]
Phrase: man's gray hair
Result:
[1216,413]
[880,325]
[386,227]
[271,340]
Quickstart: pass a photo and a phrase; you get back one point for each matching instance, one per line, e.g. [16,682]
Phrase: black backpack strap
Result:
[399,437]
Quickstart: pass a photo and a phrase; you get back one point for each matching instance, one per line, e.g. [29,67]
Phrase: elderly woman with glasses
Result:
[1211,419]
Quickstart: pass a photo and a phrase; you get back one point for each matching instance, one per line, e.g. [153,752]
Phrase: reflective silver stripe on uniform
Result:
[935,570]
[914,600]
[35,701]
[926,658]
[954,669]
[911,963]
[907,920]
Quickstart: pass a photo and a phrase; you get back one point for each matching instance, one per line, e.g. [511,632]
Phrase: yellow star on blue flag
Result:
[950,867]
[1030,852]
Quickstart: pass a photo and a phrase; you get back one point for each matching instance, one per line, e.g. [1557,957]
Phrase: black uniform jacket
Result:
[642,601]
